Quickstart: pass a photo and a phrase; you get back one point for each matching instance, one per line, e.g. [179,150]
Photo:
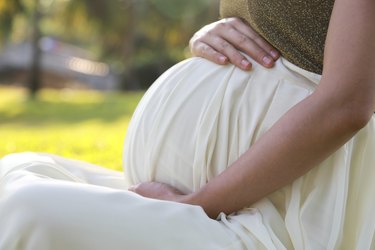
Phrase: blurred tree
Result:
[9,11]
[139,38]
[143,37]
[34,80]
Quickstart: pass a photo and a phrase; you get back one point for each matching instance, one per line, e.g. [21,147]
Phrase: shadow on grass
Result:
[33,113]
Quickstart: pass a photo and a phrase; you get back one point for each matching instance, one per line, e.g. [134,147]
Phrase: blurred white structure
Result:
[63,60]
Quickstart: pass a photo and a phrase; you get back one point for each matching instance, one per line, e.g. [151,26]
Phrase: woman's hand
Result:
[157,190]
[222,42]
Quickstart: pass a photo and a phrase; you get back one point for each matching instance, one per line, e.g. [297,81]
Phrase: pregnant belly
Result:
[199,117]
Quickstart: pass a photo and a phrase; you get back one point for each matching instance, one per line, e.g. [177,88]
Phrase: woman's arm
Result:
[312,130]
[306,135]
[222,41]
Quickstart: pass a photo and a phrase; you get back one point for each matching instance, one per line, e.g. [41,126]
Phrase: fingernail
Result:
[223,59]
[245,63]
[267,60]
[274,54]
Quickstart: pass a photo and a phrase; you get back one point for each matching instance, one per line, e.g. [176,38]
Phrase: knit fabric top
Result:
[297,28]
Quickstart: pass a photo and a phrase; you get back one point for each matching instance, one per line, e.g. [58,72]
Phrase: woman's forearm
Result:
[314,128]
[303,137]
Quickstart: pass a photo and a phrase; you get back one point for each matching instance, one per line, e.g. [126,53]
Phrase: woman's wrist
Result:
[198,198]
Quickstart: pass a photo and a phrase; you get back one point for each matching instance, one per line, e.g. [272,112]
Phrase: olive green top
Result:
[297,28]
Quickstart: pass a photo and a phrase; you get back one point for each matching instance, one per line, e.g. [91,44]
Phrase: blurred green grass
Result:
[80,124]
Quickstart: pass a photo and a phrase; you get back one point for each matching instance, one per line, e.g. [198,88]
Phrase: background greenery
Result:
[84,125]
[138,39]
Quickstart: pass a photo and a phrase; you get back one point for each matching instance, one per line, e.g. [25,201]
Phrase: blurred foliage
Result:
[96,124]
[139,38]
[8,10]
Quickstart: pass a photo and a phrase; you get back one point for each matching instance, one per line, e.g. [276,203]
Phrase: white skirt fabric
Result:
[194,121]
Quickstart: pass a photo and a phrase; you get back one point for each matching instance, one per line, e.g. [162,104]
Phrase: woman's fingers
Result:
[254,36]
[224,41]
[231,42]
[157,190]
[225,47]
[209,43]
[243,38]
[204,50]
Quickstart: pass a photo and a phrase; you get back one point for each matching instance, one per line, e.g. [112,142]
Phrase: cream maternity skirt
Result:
[194,121]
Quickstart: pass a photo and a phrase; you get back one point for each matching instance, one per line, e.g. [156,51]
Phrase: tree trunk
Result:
[34,81]
[130,77]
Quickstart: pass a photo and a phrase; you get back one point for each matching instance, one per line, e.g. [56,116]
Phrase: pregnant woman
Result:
[218,157]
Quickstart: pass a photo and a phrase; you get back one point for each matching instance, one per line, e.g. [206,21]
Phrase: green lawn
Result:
[85,125]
